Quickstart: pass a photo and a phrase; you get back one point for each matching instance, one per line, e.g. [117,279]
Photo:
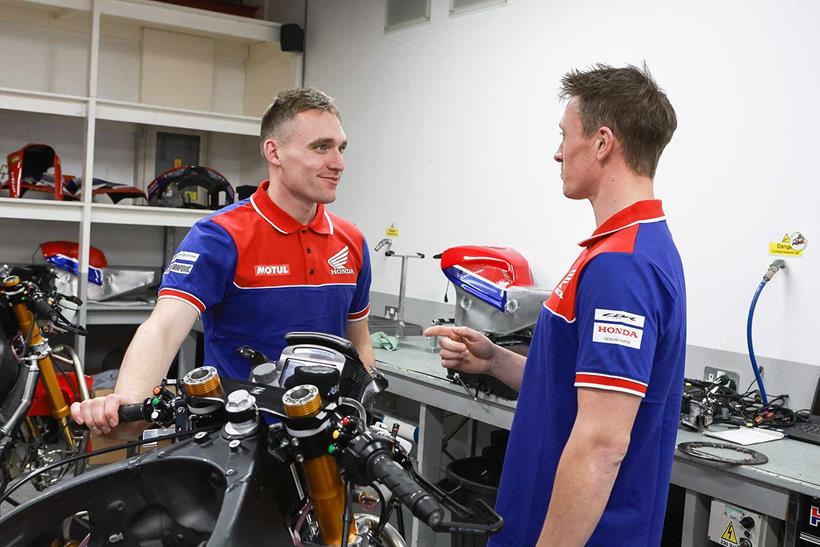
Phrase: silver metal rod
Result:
[402,290]
[31,371]
[78,367]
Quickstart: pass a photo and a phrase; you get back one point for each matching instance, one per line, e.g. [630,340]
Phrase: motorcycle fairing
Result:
[210,495]
[26,169]
[65,256]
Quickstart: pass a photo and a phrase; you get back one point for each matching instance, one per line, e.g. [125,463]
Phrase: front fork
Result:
[42,352]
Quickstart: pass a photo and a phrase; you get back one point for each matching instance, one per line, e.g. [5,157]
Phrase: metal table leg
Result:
[431,433]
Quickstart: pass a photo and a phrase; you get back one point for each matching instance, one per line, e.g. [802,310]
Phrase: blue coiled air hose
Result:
[773,269]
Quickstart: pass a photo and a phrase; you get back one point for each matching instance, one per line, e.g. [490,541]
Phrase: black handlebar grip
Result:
[408,491]
[41,309]
[132,413]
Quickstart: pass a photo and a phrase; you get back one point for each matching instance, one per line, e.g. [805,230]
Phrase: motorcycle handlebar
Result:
[41,309]
[406,489]
[132,413]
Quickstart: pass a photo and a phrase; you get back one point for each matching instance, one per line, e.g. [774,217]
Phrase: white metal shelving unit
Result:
[133,215]
[24,209]
[91,108]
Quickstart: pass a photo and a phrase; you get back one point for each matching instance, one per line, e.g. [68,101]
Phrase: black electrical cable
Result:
[347,514]
[106,450]
[384,511]
[729,406]
[399,518]
[67,379]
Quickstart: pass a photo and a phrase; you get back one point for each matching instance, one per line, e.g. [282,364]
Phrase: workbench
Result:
[415,373]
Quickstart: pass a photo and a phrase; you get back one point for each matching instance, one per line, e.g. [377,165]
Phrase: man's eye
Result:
[322,148]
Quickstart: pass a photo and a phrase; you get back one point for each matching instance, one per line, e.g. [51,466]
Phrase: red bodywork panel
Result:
[40,406]
[71,250]
[500,265]
[32,161]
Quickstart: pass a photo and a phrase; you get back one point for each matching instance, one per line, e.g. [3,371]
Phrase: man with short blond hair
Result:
[260,268]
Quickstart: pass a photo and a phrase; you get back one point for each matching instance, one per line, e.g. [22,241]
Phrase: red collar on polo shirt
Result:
[279,219]
[649,210]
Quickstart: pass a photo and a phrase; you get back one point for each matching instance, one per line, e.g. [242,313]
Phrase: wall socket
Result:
[710,374]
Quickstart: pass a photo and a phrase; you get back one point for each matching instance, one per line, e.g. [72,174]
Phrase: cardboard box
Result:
[105,441]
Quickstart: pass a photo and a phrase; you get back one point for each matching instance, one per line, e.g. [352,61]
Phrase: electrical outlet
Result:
[710,374]
[391,312]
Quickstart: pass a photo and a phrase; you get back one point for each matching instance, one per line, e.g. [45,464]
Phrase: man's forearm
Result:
[583,484]
[146,361]
[508,367]
[359,335]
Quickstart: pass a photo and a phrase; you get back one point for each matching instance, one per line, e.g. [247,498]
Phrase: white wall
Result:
[453,124]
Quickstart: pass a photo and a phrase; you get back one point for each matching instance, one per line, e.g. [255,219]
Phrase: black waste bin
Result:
[474,478]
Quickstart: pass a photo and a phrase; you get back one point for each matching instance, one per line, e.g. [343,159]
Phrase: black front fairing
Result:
[195,492]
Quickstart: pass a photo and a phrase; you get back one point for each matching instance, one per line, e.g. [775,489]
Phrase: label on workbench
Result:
[792,244]
[729,538]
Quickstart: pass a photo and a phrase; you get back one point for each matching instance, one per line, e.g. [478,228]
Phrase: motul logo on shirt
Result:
[272,269]
[338,262]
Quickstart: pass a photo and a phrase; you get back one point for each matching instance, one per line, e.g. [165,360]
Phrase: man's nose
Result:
[337,162]
[559,155]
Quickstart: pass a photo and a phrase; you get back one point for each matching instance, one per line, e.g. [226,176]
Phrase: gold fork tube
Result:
[59,408]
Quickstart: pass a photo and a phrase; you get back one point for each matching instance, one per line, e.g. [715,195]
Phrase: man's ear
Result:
[271,151]
[604,143]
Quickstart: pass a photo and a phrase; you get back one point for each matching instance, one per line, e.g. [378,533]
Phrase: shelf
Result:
[43,103]
[120,111]
[136,215]
[113,314]
[41,209]
[169,16]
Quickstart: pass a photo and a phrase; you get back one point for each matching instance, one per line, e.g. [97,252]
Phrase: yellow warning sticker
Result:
[729,535]
[392,231]
[790,245]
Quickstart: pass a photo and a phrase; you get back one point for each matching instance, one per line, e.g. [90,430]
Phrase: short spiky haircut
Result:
[630,103]
[287,105]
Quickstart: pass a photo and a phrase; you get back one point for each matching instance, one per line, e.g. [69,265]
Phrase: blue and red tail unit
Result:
[65,256]
[486,272]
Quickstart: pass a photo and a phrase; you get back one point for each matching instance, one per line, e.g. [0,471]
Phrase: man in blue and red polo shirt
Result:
[591,447]
[260,268]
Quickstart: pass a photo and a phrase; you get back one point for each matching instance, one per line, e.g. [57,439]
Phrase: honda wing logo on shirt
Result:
[338,262]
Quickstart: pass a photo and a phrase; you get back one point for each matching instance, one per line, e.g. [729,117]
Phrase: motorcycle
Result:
[34,426]
[270,461]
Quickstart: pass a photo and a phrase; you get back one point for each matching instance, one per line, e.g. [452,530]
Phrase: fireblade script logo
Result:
[272,269]
[338,262]
[559,290]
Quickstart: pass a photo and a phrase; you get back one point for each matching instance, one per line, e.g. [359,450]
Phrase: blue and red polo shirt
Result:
[254,273]
[616,321]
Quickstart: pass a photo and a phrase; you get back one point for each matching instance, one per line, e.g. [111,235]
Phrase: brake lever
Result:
[465,526]
[71,298]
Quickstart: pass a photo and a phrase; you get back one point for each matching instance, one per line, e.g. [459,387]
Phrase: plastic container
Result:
[475,478]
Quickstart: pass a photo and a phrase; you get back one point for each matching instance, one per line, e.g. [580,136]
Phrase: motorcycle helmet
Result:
[179,187]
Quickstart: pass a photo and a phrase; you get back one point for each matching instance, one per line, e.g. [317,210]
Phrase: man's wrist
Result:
[492,362]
